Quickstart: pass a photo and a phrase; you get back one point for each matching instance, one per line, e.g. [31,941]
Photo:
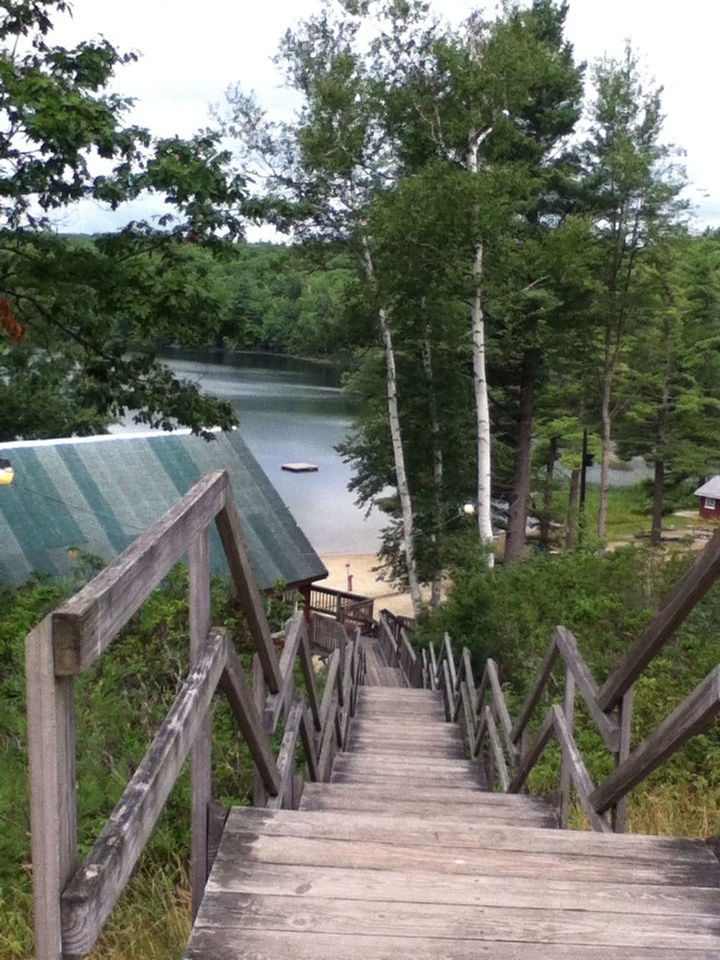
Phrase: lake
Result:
[293,410]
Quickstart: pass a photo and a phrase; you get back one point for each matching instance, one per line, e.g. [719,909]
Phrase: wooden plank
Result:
[536,692]
[565,777]
[236,688]
[528,759]
[497,750]
[241,572]
[473,794]
[692,716]
[225,944]
[691,588]
[427,887]
[410,780]
[463,860]
[433,731]
[259,692]
[433,667]
[286,755]
[396,807]
[489,924]
[95,888]
[84,625]
[411,748]
[53,809]
[587,687]
[619,810]
[306,734]
[333,665]
[450,660]
[329,741]
[469,678]
[441,832]
[500,705]
[217,817]
[279,702]
[578,771]
[201,753]
[309,677]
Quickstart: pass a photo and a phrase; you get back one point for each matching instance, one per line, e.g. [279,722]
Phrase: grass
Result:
[629,512]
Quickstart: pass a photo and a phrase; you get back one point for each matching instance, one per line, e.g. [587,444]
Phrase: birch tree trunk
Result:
[482,409]
[438,465]
[403,488]
[479,359]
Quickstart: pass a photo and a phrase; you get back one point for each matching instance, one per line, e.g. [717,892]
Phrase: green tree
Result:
[80,317]
[630,189]
[673,367]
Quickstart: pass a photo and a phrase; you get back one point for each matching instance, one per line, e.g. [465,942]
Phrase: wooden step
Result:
[406,695]
[431,803]
[384,746]
[410,729]
[444,769]
[337,886]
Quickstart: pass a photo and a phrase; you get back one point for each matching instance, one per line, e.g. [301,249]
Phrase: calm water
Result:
[293,410]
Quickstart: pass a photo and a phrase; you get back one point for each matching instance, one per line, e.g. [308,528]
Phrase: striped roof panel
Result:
[96,495]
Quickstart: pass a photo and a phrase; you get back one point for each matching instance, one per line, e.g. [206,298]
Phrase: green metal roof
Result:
[98,494]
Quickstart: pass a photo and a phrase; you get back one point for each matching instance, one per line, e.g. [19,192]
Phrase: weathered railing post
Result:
[201,755]
[619,811]
[565,780]
[53,809]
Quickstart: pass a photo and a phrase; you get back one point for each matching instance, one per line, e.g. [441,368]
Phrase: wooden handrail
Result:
[71,904]
[688,592]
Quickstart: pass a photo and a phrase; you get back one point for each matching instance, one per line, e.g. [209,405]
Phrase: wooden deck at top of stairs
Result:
[404,855]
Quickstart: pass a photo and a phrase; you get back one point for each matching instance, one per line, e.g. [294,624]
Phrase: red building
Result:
[709,494]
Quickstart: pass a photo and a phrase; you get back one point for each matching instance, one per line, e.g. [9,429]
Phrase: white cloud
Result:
[192,51]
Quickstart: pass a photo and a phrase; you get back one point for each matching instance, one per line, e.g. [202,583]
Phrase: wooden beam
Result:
[238,557]
[565,777]
[692,716]
[530,758]
[587,687]
[500,705]
[97,885]
[286,755]
[496,746]
[309,676]
[53,808]
[236,688]
[201,755]
[532,699]
[84,625]
[278,702]
[578,771]
[690,590]
[619,810]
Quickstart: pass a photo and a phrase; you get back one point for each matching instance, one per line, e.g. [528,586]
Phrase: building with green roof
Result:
[95,495]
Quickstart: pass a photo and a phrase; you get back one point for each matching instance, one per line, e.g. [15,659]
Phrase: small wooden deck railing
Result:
[503,747]
[351,609]
[71,902]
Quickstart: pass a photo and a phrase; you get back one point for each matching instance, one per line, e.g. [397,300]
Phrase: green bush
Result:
[605,599]
[120,704]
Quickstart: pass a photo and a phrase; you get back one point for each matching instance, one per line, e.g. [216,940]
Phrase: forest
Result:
[491,240]
[490,237]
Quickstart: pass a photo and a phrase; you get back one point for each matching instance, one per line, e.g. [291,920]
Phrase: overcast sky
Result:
[192,51]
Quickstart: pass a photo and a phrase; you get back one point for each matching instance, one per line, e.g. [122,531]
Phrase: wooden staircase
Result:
[404,854]
[410,837]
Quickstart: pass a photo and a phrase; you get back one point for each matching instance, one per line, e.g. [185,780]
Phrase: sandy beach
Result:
[366,581]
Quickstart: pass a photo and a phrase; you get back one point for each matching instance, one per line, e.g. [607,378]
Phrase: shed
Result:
[95,495]
[709,494]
